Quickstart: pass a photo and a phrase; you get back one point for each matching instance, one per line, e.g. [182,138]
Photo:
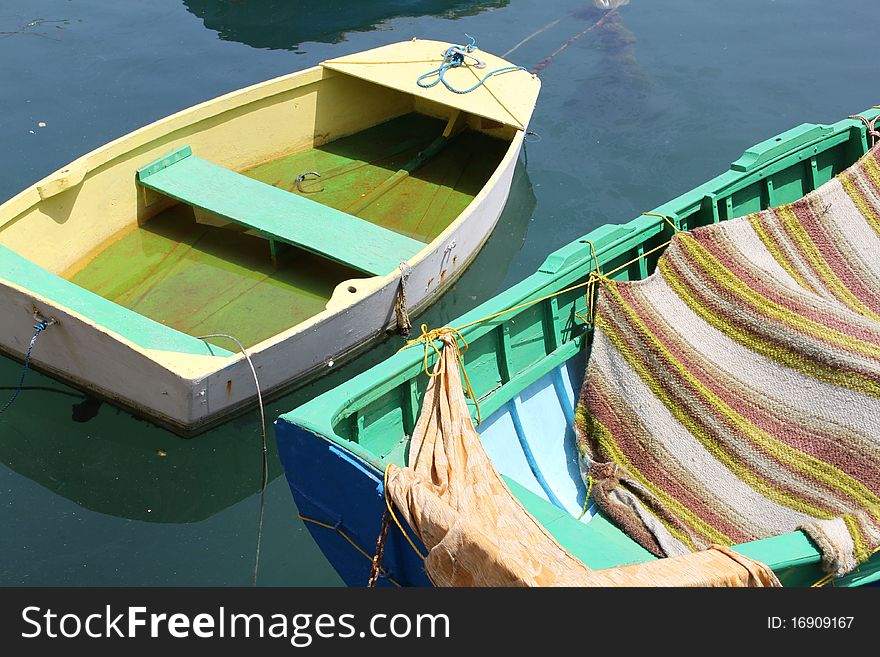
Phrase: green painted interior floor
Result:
[424,204]
[201,279]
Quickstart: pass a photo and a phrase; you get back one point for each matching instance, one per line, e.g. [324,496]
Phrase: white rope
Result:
[265,476]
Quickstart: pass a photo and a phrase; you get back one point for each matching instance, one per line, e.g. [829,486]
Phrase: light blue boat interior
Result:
[531,439]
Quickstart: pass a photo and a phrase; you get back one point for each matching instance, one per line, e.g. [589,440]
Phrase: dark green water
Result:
[656,102]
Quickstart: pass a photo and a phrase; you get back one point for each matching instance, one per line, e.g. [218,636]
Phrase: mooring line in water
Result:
[544,63]
[41,325]
[532,36]
[265,476]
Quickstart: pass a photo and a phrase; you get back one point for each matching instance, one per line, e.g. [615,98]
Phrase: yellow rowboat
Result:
[295,221]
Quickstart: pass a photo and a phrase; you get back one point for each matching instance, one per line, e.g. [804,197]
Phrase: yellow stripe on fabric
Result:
[606,441]
[729,460]
[832,477]
[790,358]
[806,245]
[860,550]
[770,308]
[862,205]
[769,351]
[776,251]
[872,170]
[792,457]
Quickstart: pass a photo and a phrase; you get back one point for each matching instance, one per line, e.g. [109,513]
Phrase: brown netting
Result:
[478,534]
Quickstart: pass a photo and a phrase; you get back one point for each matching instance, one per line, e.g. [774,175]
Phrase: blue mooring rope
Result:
[455,57]
[39,327]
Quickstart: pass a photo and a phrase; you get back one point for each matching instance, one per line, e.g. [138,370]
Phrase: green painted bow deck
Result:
[383,194]
[371,417]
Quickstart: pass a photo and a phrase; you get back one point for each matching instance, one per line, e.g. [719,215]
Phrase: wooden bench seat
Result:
[279,215]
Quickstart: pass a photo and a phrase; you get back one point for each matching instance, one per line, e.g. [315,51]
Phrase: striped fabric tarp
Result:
[735,393]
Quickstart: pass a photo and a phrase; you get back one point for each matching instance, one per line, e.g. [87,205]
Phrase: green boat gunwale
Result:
[326,415]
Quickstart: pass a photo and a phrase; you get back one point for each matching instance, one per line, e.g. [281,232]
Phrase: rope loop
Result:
[870,126]
[454,57]
[595,278]
[452,337]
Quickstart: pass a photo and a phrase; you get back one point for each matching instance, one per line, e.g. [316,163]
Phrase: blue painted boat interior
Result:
[531,439]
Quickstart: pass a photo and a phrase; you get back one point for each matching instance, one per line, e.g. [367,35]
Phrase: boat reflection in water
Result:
[284,24]
[106,460]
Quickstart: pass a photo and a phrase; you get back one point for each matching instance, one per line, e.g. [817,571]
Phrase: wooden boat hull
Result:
[524,367]
[166,375]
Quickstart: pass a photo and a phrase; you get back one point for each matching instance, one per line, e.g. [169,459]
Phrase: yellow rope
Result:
[526,304]
[497,99]
[350,540]
[665,218]
[427,338]
[596,277]
[394,516]
[822,582]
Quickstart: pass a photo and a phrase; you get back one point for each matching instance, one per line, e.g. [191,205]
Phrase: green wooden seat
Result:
[279,215]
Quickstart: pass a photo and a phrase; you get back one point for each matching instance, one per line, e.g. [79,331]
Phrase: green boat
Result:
[526,364]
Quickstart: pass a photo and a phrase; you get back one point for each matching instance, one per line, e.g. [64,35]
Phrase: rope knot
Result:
[595,278]
[455,57]
[449,336]
[41,325]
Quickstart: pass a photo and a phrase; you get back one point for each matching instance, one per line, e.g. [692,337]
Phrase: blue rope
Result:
[453,58]
[39,327]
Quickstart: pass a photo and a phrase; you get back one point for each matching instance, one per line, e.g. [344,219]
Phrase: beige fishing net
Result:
[478,534]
